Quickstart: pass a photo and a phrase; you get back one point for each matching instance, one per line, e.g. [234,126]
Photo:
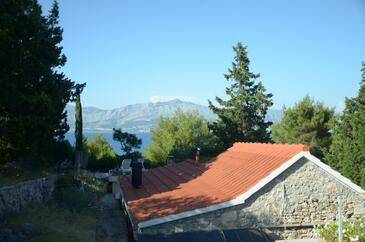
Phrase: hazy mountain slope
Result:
[140,117]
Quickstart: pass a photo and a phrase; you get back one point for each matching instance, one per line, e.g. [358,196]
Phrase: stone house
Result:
[276,187]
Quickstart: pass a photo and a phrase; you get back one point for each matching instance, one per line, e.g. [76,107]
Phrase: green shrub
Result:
[352,231]
[101,154]
[103,164]
[180,135]
[69,195]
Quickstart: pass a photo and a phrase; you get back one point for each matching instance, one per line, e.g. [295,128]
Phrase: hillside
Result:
[140,117]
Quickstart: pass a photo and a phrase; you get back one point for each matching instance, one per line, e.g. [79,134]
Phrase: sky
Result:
[130,51]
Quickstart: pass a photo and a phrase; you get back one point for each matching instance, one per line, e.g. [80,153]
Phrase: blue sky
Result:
[135,51]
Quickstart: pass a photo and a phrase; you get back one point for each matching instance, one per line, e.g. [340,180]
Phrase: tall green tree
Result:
[78,121]
[33,90]
[308,122]
[242,116]
[180,136]
[347,152]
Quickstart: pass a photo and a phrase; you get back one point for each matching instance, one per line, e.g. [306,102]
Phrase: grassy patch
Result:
[72,216]
[54,223]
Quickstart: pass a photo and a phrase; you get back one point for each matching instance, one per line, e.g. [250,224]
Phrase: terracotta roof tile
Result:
[186,186]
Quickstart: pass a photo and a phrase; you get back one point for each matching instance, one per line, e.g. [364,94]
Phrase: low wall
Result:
[88,178]
[16,197]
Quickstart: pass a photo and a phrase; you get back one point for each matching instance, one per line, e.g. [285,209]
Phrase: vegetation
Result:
[33,91]
[352,231]
[78,121]
[52,222]
[129,143]
[180,136]
[70,195]
[308,122]
[242,116]
[101,154]
[347,152]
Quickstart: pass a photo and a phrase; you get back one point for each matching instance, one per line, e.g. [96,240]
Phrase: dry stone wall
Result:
[16,197]
[302,196]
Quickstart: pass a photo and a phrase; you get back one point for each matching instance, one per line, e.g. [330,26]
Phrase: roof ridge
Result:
[305,147]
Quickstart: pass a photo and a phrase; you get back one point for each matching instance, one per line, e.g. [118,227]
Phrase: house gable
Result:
[243,197]
[300,197]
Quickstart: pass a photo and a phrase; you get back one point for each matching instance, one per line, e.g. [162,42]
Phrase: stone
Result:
[359,210]
[16,197]
[228,218]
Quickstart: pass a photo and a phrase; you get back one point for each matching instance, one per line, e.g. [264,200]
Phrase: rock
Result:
[228,218]
[359,210]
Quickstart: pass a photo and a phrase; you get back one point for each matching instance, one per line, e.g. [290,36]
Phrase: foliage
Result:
[61,151]
[68,194]
[129,142]
[101,154]
[347,152]
[33,91]
[308,122]
[78,121]
[352,231]
[180,135]
[242,116]
[49,222]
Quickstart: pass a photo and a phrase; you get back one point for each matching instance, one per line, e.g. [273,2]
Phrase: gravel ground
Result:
[113,227]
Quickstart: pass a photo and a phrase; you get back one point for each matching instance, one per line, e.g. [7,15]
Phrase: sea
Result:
[145,137]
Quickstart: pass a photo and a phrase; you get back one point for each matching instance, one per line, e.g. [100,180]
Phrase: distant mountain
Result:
[140,117]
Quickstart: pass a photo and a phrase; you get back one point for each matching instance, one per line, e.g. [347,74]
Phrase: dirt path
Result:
[112,226]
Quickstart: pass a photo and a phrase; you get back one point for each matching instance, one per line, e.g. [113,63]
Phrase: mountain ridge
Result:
[141,117]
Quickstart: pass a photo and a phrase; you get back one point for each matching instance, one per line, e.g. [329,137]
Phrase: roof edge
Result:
[236,201]
[344,180]
[243,197]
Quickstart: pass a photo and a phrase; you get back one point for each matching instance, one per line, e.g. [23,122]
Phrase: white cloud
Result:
[160,98]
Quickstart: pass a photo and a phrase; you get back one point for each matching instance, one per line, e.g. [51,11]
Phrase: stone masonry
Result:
[16,197]
[302,196]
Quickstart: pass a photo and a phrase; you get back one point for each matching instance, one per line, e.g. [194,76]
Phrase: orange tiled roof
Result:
[185,186]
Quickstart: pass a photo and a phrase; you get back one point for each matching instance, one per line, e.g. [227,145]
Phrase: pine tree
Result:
[129,143]
[308,122]
[33,91]
[242,116]
[347,152]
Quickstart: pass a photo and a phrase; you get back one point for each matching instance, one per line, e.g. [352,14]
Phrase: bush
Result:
[68,194]
[103,164]
[102,156]
[352,231]
[180,136]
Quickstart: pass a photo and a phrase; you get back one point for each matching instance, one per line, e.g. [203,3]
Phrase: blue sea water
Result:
[146,139]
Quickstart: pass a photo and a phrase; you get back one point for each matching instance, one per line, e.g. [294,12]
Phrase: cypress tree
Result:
[78,122]
[347,152]
[242,116]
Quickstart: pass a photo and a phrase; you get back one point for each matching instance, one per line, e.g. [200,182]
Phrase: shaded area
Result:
[112,224]
[49,222]
[233,235]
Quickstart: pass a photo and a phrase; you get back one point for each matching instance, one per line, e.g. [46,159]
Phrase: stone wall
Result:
[89,179]
[302,196]
[16,197]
